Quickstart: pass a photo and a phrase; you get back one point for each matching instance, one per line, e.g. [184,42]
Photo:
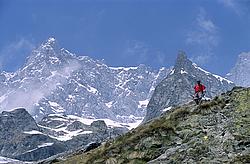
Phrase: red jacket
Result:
[199,88]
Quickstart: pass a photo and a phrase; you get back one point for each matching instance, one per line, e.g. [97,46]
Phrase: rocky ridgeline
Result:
[20,137]
[23,139]
[177,87]
[217,131]
[56,81]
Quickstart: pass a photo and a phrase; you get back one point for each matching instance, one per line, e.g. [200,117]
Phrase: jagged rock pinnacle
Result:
[182,62]
[177,87]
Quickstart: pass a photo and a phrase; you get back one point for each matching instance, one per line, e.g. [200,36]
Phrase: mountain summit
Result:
[177,87]
[56,81]
[182,62]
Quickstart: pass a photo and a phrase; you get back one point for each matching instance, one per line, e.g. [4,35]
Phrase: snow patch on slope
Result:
[9,161]
[109,104]
[166,109]
[32,132]
[109,122]
[216,76]
[45,144]
[3,97]
[56,107]
[183,71]
[143,103]
[123,68]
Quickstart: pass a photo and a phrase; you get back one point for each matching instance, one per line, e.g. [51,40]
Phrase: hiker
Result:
[199,92]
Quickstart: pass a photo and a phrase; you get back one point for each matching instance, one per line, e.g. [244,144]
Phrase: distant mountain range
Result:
[55,81]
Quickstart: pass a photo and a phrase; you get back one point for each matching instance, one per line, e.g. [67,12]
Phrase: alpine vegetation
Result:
[217,131]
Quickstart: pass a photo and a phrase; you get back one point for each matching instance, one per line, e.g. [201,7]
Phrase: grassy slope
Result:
[216,131]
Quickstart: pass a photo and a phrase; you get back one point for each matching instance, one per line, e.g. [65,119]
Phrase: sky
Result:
[128,32]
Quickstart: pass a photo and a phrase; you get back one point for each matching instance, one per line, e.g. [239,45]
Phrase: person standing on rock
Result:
[199,92]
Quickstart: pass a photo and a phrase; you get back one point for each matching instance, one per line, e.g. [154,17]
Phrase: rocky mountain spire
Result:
[177,87]
[182,62]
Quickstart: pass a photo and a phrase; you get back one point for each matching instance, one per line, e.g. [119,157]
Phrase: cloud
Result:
[14,52]
[203,38]
[137,50]
[32,91]
[229,3]
[143,53]
[240,7]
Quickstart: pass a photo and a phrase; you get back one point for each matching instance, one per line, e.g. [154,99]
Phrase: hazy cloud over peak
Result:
[204,23]
[203,38]
[141,52]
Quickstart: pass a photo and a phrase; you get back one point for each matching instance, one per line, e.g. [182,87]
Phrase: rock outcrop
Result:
[23,139]
[20,138]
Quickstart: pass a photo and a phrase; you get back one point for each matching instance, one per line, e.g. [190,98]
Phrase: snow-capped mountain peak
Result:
[54,80]
[50,43]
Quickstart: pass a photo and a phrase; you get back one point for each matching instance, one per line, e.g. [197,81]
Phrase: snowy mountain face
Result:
[55,81]
[240,73]
[177,87]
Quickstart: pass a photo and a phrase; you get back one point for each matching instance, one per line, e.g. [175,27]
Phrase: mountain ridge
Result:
[177,87]
[185,134]
[21,138]
[53,78]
